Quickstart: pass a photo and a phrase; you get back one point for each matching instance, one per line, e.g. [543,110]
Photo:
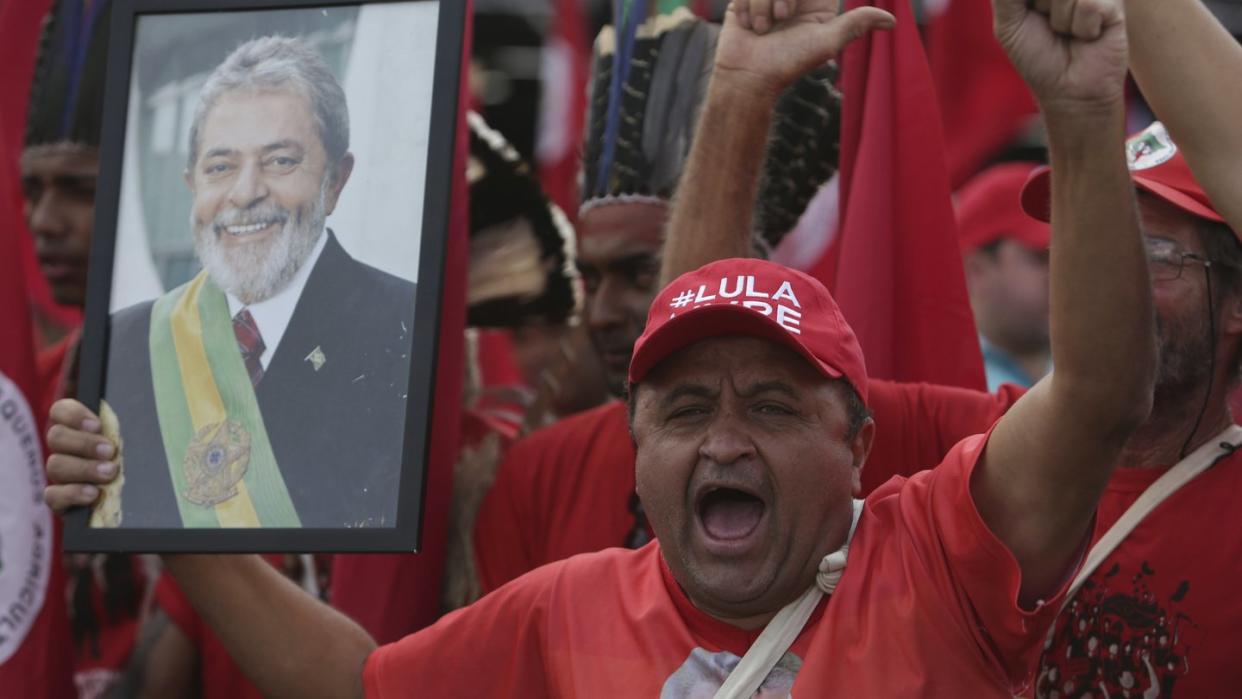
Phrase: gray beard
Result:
[256,272]
[1183,372]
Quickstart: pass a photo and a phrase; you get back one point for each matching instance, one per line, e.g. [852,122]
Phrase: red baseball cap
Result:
[1156,166]
[989,208]
[755,298]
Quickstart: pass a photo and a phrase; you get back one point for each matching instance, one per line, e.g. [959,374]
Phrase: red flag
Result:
[562,114]
[983,102]
[894,267]
[36,657]
[392,595]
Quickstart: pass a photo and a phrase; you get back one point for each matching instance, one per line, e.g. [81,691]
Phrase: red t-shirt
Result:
[569,488]
[927,606]
[1163,610]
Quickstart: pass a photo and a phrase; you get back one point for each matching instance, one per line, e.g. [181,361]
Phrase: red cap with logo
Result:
[754,298]
[1156,166]
[989,209]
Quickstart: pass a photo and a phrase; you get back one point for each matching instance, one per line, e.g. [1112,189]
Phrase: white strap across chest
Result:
[783,630]
[1183,472]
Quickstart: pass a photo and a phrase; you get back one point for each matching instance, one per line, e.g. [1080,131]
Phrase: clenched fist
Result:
[1072,53]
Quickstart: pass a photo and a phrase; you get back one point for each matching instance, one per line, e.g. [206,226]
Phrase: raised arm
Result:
[1188,68]
[285,641]
[1051,455]
[756,59]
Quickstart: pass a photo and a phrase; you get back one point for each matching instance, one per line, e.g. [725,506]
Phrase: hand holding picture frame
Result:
[265,273]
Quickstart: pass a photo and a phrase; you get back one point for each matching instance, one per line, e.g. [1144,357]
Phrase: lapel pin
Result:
[317,358]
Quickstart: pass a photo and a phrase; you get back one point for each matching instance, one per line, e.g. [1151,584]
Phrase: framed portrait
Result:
[265,272]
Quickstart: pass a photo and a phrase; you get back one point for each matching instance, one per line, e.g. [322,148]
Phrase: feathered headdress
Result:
[66,95]
[649,79]
[523,264]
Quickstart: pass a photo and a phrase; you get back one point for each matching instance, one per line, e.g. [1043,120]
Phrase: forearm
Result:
[1187,66]
[285,641]
[1100,293]
[1049,458]
[713,210]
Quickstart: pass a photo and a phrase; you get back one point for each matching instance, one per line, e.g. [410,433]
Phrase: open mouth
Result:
[729,514]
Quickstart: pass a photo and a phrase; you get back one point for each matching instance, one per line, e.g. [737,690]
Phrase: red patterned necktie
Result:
[250,342]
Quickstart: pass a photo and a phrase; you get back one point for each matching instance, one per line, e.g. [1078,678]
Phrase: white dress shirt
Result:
[272,315]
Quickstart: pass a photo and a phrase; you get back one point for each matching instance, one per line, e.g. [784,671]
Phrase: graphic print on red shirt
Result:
[1161,616]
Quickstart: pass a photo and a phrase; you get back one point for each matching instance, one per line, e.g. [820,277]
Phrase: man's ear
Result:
[189,179]
[860,447]
[340,175]
[1231,314]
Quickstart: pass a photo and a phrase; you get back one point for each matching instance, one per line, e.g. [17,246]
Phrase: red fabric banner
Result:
[562,118]
[894,267]
[983,102]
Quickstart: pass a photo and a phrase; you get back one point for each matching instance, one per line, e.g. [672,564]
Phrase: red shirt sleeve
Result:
[493,648]
[974,571]
[918,423]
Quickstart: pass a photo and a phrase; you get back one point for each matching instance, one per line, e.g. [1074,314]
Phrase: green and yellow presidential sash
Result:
[219,455]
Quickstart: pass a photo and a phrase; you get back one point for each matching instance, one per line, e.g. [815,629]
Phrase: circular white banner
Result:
[25,522]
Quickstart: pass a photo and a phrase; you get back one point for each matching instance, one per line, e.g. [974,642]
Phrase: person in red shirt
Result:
[569,488]
[748,397]
[1157,614]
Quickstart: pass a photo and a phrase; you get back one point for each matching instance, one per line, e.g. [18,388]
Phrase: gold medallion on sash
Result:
[215,462]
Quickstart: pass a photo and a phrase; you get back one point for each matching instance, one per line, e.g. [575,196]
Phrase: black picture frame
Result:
[404,534]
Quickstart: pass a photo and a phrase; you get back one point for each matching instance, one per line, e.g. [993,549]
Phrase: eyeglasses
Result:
[1166,260]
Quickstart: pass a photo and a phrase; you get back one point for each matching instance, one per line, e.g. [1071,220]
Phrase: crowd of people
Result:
[708,494]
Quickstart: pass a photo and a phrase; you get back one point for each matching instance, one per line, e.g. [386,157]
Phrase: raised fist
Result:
[1072,53]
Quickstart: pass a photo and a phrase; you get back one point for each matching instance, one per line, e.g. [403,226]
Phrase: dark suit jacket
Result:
[336,432]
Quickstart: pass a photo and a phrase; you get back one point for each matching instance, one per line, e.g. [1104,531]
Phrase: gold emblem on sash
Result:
[215,461]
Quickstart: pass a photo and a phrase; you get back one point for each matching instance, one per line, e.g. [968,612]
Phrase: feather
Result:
[644,106]
[523,266]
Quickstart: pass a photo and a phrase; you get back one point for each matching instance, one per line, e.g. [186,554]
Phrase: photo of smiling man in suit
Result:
[269,390]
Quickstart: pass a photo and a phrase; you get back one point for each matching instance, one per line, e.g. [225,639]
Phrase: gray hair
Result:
[277,63]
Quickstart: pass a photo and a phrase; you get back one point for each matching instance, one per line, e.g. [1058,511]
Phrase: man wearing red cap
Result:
[1005,257]
[1160,612]
[1156,609]
[569,488]
[748,400]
